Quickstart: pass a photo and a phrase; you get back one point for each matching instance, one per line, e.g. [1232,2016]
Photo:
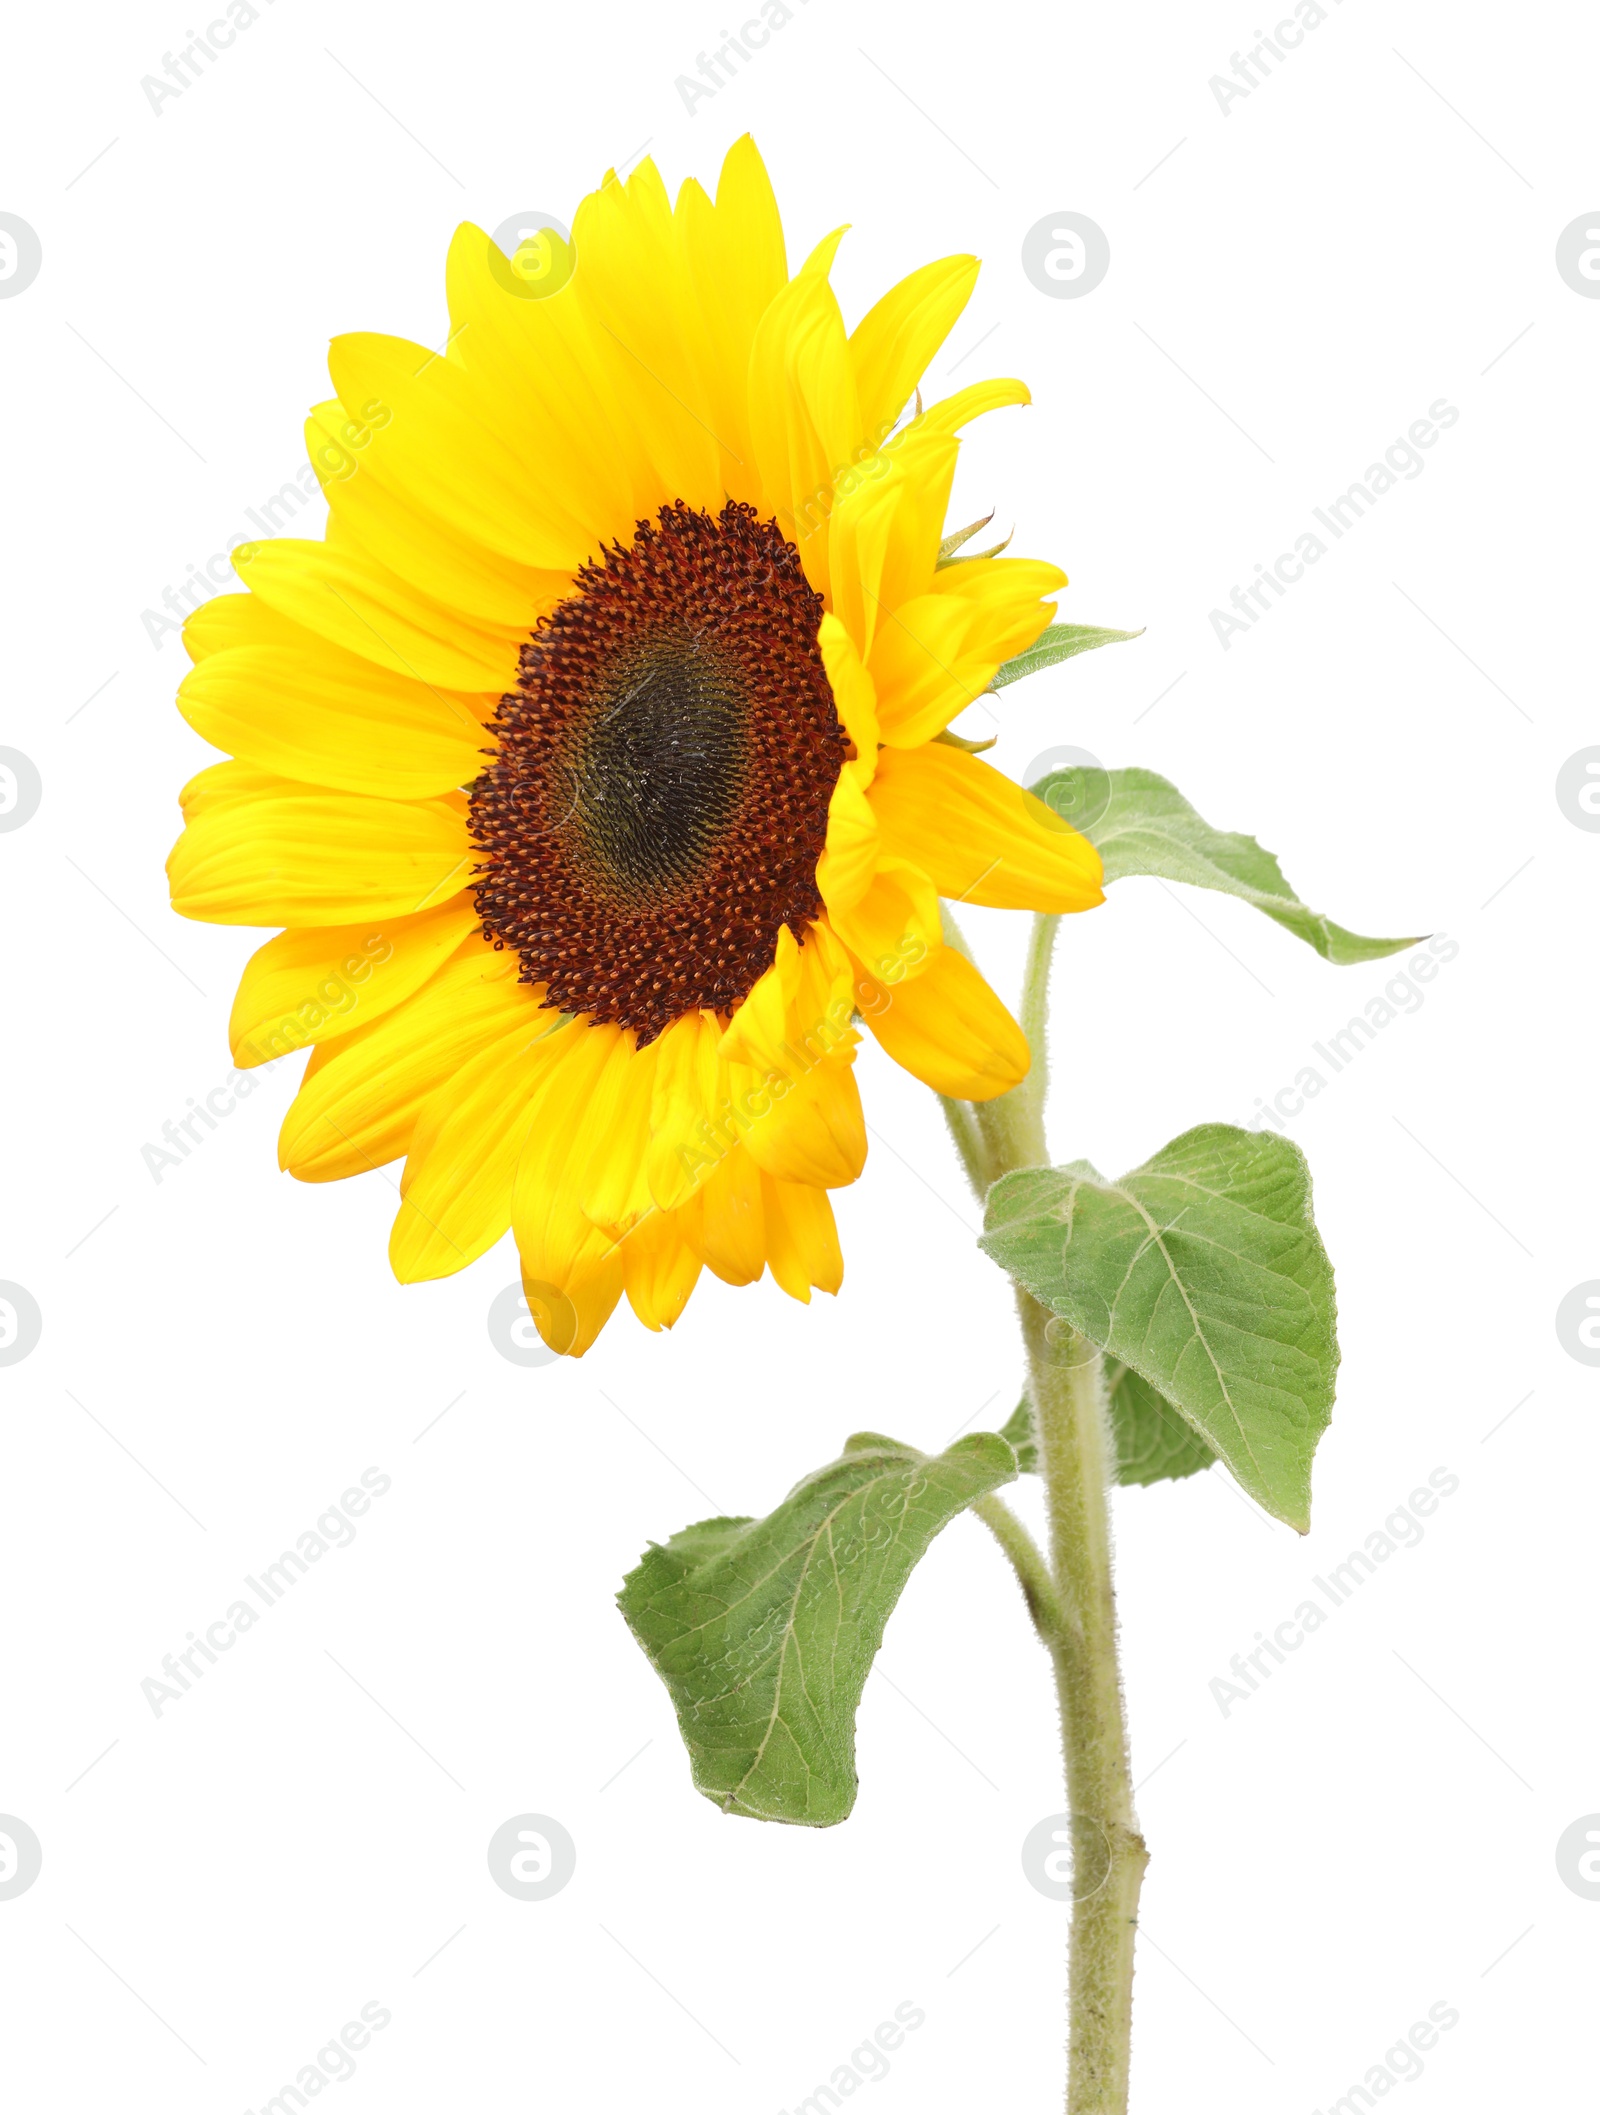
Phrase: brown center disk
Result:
[657,800]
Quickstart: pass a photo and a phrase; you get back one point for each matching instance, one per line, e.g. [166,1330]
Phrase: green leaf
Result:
[1153,1440]
[1141,824]
[1017,1431]
[1059,643]
[1201,1271]
[764,1630]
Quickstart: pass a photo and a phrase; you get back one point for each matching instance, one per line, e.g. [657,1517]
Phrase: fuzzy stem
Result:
[1035,1015]
[1028,1562]
[1066,1387]
[969,1144]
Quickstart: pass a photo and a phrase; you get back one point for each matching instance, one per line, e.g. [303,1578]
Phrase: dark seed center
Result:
[654,777]
[656,800]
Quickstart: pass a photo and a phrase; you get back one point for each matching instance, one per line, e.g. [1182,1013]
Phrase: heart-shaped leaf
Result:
[764,1630]
[1202,1272]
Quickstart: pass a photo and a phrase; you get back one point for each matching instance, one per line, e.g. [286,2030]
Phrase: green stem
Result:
[1035,1016]
[1028,1562]
[968,1143]
[1066,1386]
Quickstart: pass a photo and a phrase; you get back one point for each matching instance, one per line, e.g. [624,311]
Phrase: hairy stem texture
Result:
[1066,1387]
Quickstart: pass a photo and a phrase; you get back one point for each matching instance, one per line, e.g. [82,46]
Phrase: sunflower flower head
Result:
[596,756]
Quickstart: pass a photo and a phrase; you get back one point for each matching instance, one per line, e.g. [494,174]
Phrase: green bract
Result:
[1059,643]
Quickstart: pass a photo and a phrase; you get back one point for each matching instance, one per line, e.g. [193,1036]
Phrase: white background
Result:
[1290,288]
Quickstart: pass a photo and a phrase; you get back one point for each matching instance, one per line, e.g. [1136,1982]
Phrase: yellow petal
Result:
[442,448]
[536,362]
[728,1233]
[285,855]
[1001,585]
[950,414]
[240,620]
[853,696]
[819,1016]
[927,667]
[759,1025]
[347,597]
[805,1129]
[462,1159]
[553,1235]
[328,718]
[360,1097]
[980,837]
[1004,595]
[895,926]
[942,649]
[805,422]
[892,344]
[317,984]
[633,285]
[947,1028]
[802,1240]
[906,514]
[689,1075]
[227,784]
[616,1190]
[659,1270]
[571,1314]
[850,857]
[735,259]
[861,528]
[390,522]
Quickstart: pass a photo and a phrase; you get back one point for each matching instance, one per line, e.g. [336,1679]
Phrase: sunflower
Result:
[596,760]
